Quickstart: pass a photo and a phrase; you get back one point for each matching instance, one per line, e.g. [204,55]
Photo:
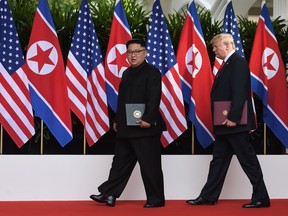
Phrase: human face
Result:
[136,54]
[220,49]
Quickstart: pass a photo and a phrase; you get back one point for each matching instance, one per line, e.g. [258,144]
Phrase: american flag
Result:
[161,54]
[86,78]
[16,115]
[230,26]
[196,76]
[268,77]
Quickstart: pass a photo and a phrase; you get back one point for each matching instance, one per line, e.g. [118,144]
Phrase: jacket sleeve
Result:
[153,94]
[240,88]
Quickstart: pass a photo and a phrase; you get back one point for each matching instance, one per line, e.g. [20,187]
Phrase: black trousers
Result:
[224,148]
[145,150]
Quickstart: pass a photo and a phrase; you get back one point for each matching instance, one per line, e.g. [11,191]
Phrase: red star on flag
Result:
[120,61]
[42,57]
[268,62]
[193,62]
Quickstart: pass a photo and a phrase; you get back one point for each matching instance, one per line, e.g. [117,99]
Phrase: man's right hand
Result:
[115,126]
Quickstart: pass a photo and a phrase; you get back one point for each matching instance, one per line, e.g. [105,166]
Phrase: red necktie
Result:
[223,62]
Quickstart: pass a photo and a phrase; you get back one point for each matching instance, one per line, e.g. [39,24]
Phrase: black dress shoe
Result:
[151,205]
[109,200]
[200,201]
[257,205]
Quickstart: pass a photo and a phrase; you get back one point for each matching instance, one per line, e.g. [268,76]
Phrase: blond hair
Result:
[225,38]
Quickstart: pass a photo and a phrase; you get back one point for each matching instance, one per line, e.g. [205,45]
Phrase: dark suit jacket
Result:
[140,85]
[233,83]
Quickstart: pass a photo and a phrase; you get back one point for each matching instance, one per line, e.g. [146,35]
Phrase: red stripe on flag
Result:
[169,102]
[172,107]
[22,128]
[95,117]
[74,105]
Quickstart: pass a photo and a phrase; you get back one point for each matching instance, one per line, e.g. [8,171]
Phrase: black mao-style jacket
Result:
[141,84]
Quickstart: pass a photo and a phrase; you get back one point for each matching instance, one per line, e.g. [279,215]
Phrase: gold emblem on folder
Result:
[137,113]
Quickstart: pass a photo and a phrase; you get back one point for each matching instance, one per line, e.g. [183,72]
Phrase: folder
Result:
[221,111]
[134,112]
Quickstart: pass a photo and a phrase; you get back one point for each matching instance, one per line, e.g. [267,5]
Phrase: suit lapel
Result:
[222,70]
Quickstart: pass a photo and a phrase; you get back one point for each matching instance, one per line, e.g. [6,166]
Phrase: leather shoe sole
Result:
[148,205]
[109,200]
[257,205]
[200,201]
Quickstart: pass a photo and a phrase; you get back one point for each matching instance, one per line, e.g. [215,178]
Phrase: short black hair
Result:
[140,41]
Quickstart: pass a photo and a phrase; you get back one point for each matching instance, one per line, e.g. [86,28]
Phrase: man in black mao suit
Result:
[140,84]
[232,83]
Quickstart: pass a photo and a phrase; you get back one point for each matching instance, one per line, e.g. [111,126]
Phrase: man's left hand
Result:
[229,123]
[144,124]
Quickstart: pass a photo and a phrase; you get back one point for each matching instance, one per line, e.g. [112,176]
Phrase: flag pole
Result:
[41,137]
[265,139]
[84,143]
[1,141]
[193,140]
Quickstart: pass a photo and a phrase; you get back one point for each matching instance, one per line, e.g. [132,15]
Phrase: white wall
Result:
[66,177]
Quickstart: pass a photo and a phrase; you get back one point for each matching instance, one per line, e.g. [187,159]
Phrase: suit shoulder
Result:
[125,72]
[238,59]
[151,67]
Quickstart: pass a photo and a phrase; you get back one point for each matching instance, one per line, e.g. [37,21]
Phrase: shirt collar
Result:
[228,56]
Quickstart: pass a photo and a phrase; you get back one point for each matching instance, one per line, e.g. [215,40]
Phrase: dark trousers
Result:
[224,148]
[145,150]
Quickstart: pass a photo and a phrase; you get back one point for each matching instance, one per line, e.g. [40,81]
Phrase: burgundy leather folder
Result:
[221,110]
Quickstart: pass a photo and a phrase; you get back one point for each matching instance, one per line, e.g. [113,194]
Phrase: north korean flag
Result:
[196,76]
[116,61]
[44,68]
[268,77]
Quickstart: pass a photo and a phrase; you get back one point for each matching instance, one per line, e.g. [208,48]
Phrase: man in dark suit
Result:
[232,83]
[140,84]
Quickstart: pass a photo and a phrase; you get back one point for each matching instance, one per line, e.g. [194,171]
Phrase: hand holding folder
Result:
[134,113]
[221,111]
